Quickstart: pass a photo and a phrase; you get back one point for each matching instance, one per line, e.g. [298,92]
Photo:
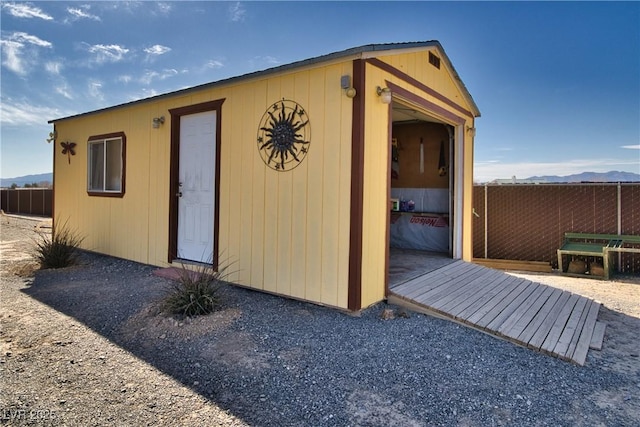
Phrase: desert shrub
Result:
[196,291]
[60,248]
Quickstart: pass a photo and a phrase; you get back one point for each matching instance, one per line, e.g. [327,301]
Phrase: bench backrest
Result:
[587,236]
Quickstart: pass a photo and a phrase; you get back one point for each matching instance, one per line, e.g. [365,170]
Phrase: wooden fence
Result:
[30,201]
[526,222]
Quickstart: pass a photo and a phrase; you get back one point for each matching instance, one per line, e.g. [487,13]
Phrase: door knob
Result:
[179,194]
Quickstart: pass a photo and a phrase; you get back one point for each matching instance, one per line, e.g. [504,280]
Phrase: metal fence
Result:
[527,222]
[31,201]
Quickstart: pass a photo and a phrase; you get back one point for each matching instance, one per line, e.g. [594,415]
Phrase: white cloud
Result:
[21,37]
[94,88]
[25,10]
[214,64]
[53,67]
[157,49]
[164,8]
[107,53]
[63,89]
[13,51]
[134,7]
[632,147]
[22,113]
[149,76]
[11,56]
[485,171]
[237,12]
[82,12]
[124,78]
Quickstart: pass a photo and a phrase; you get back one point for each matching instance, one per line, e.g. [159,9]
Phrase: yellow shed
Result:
[307,176]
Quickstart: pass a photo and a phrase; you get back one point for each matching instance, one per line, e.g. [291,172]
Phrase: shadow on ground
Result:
[273,361]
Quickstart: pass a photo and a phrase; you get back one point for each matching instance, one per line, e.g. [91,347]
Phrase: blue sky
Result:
[558,84]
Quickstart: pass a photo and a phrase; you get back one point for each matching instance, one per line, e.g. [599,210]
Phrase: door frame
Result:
[174,169]
[456,165]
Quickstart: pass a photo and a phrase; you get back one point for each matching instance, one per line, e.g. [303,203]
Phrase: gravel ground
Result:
[86,346]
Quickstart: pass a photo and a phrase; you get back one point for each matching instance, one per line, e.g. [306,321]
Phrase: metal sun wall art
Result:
[284,135]
[68,148]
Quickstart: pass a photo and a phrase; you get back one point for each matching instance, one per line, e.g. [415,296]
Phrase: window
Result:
[434,60]
[106,166]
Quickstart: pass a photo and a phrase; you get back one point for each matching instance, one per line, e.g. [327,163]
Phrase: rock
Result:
[404,314]
[387,314]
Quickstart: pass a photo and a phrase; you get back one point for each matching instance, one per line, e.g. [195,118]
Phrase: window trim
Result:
[105,137]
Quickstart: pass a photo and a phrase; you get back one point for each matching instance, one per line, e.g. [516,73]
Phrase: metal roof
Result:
[355,51]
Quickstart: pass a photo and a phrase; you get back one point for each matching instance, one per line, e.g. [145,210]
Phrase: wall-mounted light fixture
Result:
[471,131]
[157,121]
[345,83]
[52,136]
[385,94]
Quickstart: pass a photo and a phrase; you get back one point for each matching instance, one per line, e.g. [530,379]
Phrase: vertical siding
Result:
[331,189]
[258,191]
[375,203]
[290,234]
[314,187]
[302,87]
[283,232]
[157,218]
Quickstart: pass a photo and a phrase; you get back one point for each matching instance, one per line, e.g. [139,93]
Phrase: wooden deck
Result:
[530,314]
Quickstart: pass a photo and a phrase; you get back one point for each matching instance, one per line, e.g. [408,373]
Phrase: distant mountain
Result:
[613,176]
[27,179]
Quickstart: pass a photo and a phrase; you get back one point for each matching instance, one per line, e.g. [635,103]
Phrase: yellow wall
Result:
[285,232]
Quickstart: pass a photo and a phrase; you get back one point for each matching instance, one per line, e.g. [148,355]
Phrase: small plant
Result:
[60,249]
[196,291]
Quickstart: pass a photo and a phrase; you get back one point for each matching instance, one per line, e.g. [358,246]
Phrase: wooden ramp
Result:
[530,314]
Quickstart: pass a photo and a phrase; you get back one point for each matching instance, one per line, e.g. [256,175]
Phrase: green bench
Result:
[597,245]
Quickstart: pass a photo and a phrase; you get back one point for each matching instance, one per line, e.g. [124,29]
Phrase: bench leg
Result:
[560,267]
[606,264]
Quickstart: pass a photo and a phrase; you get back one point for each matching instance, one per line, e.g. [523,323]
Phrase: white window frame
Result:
[103,189]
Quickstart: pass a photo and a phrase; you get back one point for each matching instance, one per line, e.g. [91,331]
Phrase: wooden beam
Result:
[514,265]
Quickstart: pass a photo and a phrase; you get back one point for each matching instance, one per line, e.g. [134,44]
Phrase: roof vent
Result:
[434,60]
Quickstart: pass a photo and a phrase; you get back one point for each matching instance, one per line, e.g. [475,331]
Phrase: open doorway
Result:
[421,183]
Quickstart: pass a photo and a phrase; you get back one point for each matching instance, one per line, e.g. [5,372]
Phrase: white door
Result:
[197,187]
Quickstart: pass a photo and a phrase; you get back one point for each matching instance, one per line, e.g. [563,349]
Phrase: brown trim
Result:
[106,136]
[354,301]
[412,81]
[115,194]
[176,114]
[118,194]
[53,190]
[401,92]
[387,247]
